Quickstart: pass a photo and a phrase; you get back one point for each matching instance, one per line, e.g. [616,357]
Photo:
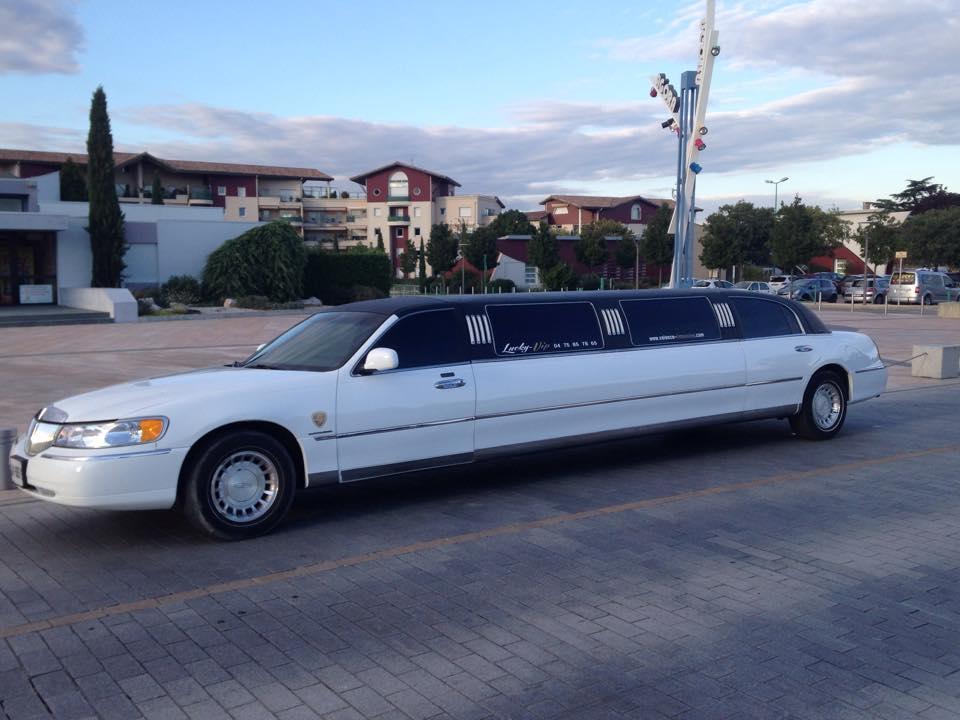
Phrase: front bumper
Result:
[134,478]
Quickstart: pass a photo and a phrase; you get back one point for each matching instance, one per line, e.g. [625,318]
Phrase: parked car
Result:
[779,281]
[810,289]
[755,286]
[712,284]
[870,290]
[379,387]
[920,285]
[835,277]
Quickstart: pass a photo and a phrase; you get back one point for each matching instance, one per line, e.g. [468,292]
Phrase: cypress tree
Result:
[156,191]
[73,185]
[422,264]
[105,221]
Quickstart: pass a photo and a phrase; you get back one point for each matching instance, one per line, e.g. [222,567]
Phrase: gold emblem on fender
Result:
[319,418]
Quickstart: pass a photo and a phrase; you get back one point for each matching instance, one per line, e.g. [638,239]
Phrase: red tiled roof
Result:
[188,166]
[361,178]
[591,202]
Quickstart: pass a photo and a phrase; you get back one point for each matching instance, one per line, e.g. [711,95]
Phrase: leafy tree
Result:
[408,262]
[933,238]
[657,242]
[736,235]
[511,222]
[156,191]
[591,249]
[801,232]
[441,248]
[919,197]
[73,184]
[543,249]
[267,260]
[880,237]
[627,252]
[105,219]
[380,246]
[481,247]
[422,264]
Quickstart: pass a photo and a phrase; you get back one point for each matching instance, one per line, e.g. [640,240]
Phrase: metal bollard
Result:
[8,436]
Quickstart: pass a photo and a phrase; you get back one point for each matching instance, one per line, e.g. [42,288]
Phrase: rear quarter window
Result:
[668,321]
[764,318]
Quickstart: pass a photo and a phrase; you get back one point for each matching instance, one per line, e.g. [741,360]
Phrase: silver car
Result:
[926,286]
[875,290]
[755,286]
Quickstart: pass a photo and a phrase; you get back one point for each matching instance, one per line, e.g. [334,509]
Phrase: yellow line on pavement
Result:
[501,530]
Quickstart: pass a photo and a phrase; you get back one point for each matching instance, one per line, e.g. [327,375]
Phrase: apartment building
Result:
[247,193]
[568,213]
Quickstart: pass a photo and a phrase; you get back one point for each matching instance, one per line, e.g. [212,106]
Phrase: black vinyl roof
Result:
[404,305]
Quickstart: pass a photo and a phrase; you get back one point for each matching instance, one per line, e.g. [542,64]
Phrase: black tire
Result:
[927,300]
[878,300]
[811,423]
[239,485]
[833,298]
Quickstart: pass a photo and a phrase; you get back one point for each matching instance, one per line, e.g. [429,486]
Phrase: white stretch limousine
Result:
[386,386]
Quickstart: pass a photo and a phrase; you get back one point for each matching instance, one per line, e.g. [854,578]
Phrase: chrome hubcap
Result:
[827,406]
[244,486]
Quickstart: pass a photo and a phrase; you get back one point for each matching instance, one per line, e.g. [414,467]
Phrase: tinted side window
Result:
[762,318]
[427,338]
[668,321]
[538,328]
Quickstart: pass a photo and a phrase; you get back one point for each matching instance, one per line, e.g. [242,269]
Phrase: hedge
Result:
[267,260]
[332,277]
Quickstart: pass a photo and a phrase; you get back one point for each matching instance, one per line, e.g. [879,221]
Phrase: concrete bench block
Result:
[936,361]
[948,310]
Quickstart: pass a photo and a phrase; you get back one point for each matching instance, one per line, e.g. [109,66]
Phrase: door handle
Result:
[803,348]
[449,384]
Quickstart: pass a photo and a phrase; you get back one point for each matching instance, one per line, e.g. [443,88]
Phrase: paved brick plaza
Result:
[732,572]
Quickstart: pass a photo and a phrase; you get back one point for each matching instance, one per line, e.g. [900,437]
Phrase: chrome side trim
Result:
[872,369]
[773,382]
[609,401]
[366,473]
[93,458]
[398,428]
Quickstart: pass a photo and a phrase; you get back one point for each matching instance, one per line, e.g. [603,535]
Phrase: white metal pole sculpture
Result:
[688,111]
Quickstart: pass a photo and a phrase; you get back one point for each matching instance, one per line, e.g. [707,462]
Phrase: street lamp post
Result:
[776,186]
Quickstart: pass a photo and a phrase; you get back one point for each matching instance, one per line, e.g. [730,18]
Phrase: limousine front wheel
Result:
[824,408]
[240,485]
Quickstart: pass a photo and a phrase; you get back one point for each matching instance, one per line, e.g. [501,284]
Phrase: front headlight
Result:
[115,433]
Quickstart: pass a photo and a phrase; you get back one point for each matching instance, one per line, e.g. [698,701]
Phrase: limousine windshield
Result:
[322,343]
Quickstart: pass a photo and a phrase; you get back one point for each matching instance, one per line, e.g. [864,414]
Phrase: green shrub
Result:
[254,302]
[268,260]
[502,285]
[471,283]
[184,289]
[332,277]
[559,277]
[144,306]
[589,282]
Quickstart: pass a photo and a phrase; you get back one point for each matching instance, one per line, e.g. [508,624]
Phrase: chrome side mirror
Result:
[380,359]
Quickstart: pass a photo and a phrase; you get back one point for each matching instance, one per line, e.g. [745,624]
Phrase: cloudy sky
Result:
[847,98]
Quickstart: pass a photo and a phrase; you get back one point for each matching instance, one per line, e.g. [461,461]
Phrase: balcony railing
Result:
[333,194]
[398,198]
[200,193]
[398,218]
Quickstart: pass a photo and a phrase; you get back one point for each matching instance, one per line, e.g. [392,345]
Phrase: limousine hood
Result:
[198,390]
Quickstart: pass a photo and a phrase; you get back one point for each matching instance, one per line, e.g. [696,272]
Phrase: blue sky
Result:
[847,98]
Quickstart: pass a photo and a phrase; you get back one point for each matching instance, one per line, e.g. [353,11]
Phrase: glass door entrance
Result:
[28,268]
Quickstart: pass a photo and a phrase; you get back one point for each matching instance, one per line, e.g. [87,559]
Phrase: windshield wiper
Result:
[263,366]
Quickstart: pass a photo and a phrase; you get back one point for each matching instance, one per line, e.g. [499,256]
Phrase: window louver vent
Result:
[479,328]
[613,322]
[724,316]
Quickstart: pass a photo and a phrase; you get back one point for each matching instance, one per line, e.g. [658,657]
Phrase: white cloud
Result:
[39,36]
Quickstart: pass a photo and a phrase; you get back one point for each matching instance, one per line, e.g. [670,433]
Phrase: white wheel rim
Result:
[244,486]
[827,406]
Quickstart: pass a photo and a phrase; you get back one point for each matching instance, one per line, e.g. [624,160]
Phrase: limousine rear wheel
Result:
[824,407]
[240,485]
